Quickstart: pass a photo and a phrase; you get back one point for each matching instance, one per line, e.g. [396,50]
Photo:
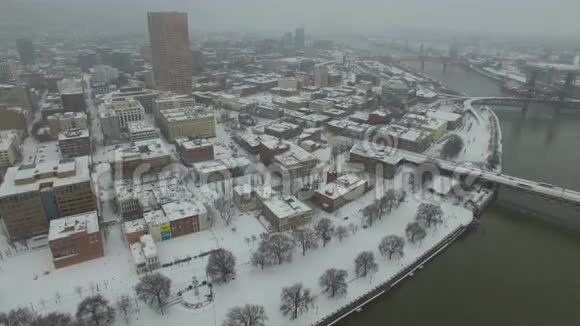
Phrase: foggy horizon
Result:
[515,18]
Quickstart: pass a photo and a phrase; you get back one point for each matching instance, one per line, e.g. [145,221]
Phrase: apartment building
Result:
[32,195]
[75,239]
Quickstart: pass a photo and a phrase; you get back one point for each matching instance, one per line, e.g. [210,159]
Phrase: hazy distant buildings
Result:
[170,51]
[299,38]
[8,71]
[25,49]
[321,76]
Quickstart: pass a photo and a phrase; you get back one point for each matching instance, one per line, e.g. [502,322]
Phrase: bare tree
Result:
[429,214]
[54,319]
[224,207]
[246,315]
[333,282]
[154,289]
[353,228]
[305,238]
[125,305]
[370,214]
[392,245]
[95,311]
[295,300]
[259,258]
[365,263]
[279,247]
[210,214]
[324,230]
[23,316]
[79,291]
[415,232]
[452,146]
[221,266]
[341,232]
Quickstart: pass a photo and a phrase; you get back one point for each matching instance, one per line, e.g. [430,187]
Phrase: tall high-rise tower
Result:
[170,51]
[299,38]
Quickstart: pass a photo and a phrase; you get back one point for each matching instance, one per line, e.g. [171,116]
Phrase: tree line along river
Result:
[514,269]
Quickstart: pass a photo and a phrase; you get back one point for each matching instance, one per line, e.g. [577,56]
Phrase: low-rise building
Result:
[185,217]
[403,137]
[284,213]
[344,189]
[187,122]
[125,109]
[145,256]
[141,130]
[295,162]
[75,239]
[284,130]
[216,170]
[74,142]
[61,122]
[150,152]
[134,230]
[348,128]
[196,150]
[373,155]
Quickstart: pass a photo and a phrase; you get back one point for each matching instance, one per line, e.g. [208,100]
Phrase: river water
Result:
[514,269]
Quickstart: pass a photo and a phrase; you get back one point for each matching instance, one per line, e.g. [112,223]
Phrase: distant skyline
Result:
[531,18]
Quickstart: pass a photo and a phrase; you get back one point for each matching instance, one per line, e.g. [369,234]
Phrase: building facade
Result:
[32,195]
[75,239]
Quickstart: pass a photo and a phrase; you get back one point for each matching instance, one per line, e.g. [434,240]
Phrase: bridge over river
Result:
[392,156]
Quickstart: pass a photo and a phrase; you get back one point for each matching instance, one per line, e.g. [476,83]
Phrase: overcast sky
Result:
[520,17]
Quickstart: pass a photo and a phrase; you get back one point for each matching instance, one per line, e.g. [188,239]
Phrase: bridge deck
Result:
[394,155]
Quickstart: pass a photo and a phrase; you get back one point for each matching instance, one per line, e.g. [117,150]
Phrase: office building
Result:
[74,142]
[61,122]
[8,71]
[126,109]
[141,130]
[72,96]
[187,122]
[170,51]
[32,195]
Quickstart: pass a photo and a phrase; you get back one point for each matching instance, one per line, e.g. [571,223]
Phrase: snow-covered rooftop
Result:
[66,226]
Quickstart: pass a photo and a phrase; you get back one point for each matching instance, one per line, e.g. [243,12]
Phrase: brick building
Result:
[75,239]
[74,142]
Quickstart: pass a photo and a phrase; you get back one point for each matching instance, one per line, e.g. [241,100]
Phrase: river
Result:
[514,269]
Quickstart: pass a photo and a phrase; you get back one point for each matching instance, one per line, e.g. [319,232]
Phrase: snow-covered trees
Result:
[295,300]
[54,319]
[18,317]
[305,238]
[280,247]
[260,258]
[124,305]
[324,230]
[365,263]
[341,232]
[415,232]
[452,146]
[246,315]
[224,207]
[370,214]
[221,266]
[392,245]
[154,289]
[381,206]
[429,214]
[95,311]
[333,282]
